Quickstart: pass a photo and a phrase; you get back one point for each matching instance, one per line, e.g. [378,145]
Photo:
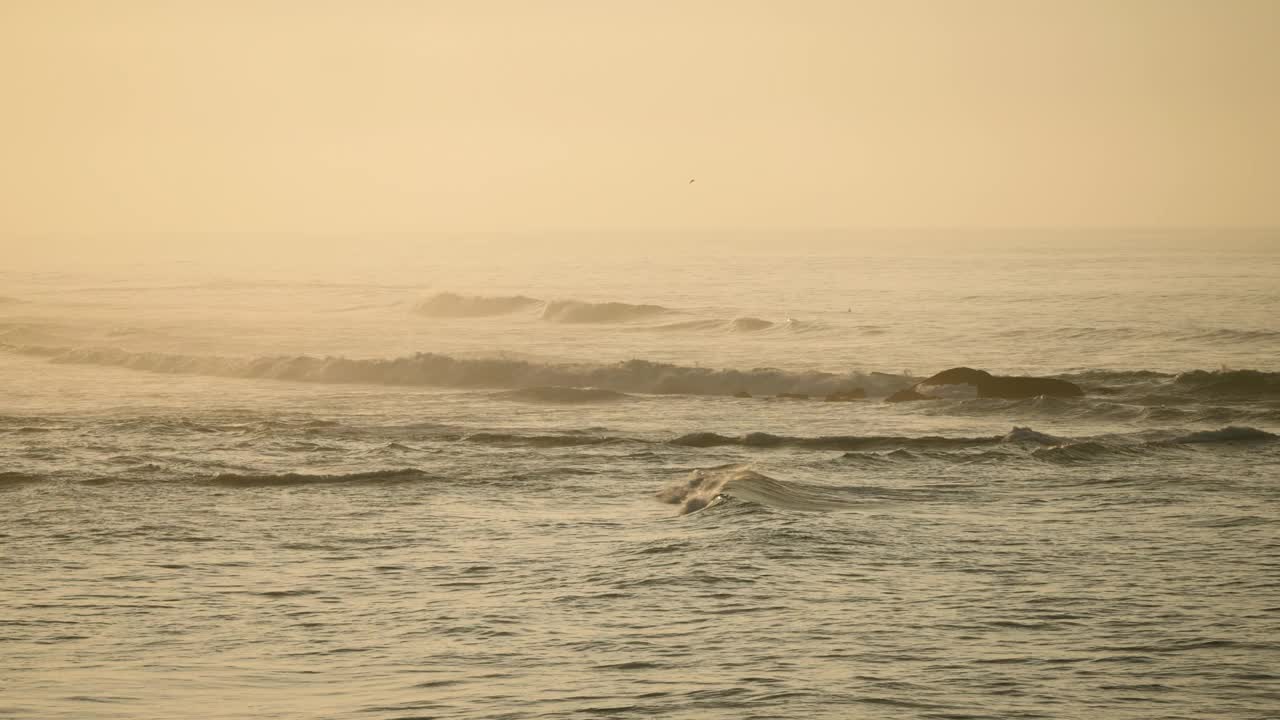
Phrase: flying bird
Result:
[691,180]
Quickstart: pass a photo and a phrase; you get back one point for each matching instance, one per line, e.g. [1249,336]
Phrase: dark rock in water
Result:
[703,439]
[908,395]
[792,396]
[742,394]
[847,395]
[1006,388]
[959,376]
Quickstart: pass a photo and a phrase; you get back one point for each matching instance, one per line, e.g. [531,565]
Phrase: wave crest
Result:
[749,324]
[576,311]
[298,479]
[540,441]
[846,443]
[1230,434]
[563,395]
[1230,383]
[703,487]
[632,376]
[449,304]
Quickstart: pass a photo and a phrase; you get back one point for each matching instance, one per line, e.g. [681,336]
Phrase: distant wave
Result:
[1230,434]
[1231,383]
[736,325]
[561,394]
[852,443]
[291,479]
[1071,453]
[449,304]
[1131,334]
[749,324]
[686,326]
[1230,335]
[1049,447]
[1083,452]
[632,376]
[540,441]
[576,311]
[1227,385]
[14,479]
[831,442]
[1137,389]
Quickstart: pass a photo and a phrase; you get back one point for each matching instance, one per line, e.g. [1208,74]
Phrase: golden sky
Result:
[124,116]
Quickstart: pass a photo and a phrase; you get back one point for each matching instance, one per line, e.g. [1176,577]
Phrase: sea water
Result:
[519,484]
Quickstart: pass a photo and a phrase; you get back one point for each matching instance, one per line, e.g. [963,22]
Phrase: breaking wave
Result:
[576,311]
[1090,451]
[856,443]
[1115,395]
[1048,447]
[540,441]
[703,487]
[632,376]
[1027,435]
[1231,434]
[449,304]
[298,479]
[1230,383]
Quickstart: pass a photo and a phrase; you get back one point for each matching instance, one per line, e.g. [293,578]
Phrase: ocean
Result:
[520,479]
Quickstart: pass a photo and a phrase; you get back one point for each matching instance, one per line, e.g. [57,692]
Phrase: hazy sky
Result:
[124,116]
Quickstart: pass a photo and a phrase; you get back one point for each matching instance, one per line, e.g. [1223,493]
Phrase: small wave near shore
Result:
[701,488]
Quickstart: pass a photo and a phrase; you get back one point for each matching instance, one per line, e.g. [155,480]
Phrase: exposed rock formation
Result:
[1007,388]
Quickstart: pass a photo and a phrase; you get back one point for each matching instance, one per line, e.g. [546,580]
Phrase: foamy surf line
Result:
[703,488]
[633,376]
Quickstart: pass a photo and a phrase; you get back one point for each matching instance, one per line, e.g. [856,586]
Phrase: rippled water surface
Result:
[340,492]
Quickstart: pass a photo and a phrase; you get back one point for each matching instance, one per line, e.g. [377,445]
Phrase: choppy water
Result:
[336,492]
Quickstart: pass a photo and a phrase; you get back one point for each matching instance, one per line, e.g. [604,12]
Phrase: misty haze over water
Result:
[576,359]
